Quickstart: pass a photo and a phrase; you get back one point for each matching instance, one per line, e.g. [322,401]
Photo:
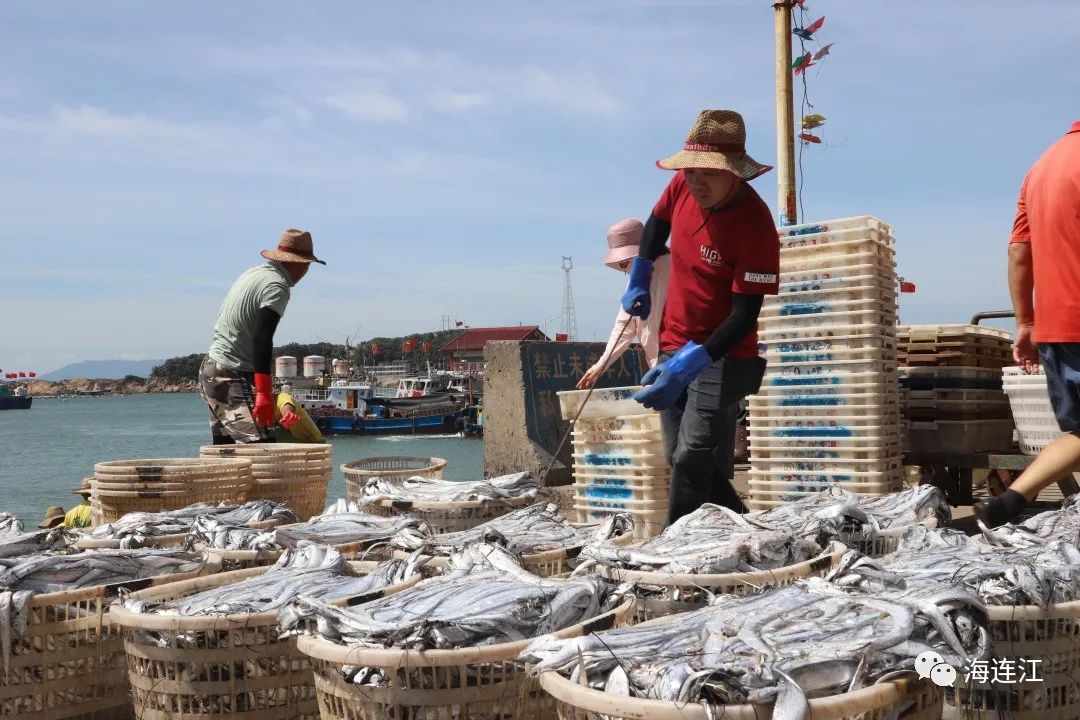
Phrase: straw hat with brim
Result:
[83,489]
[294,246]
[53,516]
[623,239]
[717,141]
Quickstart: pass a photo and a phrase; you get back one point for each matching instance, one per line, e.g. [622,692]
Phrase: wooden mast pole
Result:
[785,116]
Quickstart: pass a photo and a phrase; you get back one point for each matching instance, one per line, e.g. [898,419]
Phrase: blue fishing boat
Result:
[355,409]
[18,400]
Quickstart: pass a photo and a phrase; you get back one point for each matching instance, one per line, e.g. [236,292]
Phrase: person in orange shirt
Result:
[1044,281]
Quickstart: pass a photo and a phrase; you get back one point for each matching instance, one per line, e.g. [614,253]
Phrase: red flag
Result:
[561,337]
[803,68]
[375,349]
[409,345]
[807,137]
[816,25]
[459,323]
[907,287]
[427,346]
[33,374]
[22,374]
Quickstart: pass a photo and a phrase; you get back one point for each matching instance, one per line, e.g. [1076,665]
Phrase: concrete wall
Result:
[522,422]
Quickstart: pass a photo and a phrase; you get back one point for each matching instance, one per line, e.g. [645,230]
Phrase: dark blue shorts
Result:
[1061,363]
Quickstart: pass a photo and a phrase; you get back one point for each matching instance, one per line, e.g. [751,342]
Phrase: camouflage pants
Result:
[231,400]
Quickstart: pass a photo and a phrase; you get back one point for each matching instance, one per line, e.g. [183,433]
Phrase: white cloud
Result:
[565,94]
[370,105]
[90,120]
[449,101]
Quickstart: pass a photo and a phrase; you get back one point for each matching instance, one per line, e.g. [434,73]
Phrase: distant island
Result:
[179,374]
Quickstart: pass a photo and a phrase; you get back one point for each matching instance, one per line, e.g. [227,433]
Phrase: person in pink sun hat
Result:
[623,239]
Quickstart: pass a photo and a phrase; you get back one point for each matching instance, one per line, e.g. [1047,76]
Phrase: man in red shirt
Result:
[725,257]
[1044,262]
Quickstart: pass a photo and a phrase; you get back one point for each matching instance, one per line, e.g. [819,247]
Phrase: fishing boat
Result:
[18,400]
[349,408]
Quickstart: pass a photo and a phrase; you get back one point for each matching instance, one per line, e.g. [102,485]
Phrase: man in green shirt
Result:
[243,342]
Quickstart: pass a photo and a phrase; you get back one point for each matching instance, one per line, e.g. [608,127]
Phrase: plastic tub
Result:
[602,403]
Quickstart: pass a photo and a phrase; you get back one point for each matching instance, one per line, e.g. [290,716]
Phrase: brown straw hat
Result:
[53,516]
[294,246]
[83,489]
[716,141]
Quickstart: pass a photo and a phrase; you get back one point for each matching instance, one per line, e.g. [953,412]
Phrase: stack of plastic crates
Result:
[828,409]
[951,392]
[619,461]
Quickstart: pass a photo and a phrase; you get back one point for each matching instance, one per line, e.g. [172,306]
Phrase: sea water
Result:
[49,449]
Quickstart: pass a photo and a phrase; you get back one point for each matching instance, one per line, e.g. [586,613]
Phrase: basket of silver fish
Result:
[120,487]
[805,650]
[212,647]
[295,474]
[546,543]
[712,550]
[448,506]
[62,656]
[390,467]
[170,528]
[343,526]
[871,524]
[448,646]
[1028,576]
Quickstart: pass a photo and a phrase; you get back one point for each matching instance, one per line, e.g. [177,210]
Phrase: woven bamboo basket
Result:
[1049,635]
[358,472]
[249,671]
[448,517]
[70,661]
[877,702]
[296,474]
[123,486]
[662,593]
[479,683]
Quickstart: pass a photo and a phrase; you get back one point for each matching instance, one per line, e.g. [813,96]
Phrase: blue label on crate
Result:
[820,400]
[810,431]
[608,493]
[808,230]
[804,380]
[804,308]
[608,460]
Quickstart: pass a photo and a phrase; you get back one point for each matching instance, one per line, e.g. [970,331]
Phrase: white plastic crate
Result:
[843,382]
[780,481]
[793,309]
[798,280]
[867,384]
[845,367]
[649,455]
[863,341]
[887,439]
[825,297]
[953,378]
[840,253]
[959,436]
[803,464]
[880,321]
[854,222]
[841,263]
[602,403]
[834,236]
[769,421]
[615,428]
[1029,398]
[956,395]
[932,333]
[767,453]
[879,412]
[598,478]
[768,403]
[832,356]
[823,433]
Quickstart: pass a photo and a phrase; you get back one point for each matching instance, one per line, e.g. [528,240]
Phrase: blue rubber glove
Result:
[635,300]
[667,381]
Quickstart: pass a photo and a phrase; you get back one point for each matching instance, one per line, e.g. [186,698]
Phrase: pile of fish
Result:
[837,514]
[133,530]
[21,544]
[710,540]
[1036,531]
[533,529]
[805,640]
[486,598]
[311,570]
[418,489]
[335,527]
[932,559]
[21,579]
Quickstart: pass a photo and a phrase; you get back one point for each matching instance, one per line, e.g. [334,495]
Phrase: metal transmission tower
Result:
[569,315]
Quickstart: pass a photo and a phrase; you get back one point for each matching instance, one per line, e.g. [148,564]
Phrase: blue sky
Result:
[445,156]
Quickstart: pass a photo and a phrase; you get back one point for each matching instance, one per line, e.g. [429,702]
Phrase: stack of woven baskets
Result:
[123,486]
[296,474]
